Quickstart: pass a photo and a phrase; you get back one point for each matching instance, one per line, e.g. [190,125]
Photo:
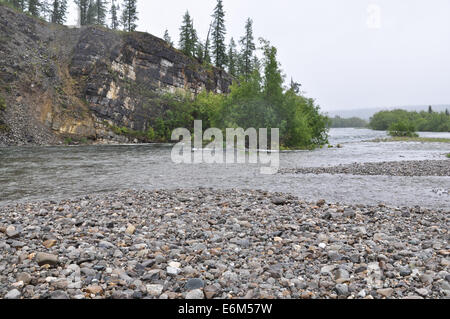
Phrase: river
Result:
[43,173]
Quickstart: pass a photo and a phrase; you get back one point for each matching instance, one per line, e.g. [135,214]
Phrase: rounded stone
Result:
[193,284]
[196,294]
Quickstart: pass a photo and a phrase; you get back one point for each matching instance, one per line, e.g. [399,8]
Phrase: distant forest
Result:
[340,122]
[420,121]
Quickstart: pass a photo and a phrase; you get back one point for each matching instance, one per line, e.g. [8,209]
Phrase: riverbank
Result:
[400,168]
[220,244]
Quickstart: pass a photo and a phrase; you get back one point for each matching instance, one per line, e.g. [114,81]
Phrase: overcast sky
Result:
[347,54]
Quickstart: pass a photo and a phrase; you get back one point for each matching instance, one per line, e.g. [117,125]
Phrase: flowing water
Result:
[43,173]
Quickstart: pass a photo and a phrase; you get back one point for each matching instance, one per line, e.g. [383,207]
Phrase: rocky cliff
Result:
[57,82]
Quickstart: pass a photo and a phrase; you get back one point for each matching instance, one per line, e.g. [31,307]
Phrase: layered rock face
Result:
[59,82]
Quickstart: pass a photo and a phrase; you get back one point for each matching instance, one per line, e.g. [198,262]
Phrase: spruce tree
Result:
[129,15]
[83,6]
[199,52]
[232,58]
[188,36]
[18,4]
[218,36]
[273,79]
[58,11]
[45,10]
[114,16]
[248,49]
[206,49]
[100,12]
[91,15]
[294,86]
[256,64]
[167,38]
[34,7]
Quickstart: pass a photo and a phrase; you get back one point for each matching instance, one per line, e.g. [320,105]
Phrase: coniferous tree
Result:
[83,6]
[167,38]
[218,36]
[232,58]
[58,11]
[129,15]
[206,50]
[100,12]
[194,38]
[114,16]
[256,64]
[447,112]
[294,86]
[199,52]
[188,36]
[45,8]
[248,49]
[34,7]
[273,80]
[18,4]
[91,16]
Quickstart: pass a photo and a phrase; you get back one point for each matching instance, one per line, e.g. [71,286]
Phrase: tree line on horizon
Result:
[352,122]
[92,12]
[424,121]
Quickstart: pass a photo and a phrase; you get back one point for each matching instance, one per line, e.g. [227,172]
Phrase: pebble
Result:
[422,292]
[13,294]
[59,295]
[210,291]
[12,232]
[426,279]
[155,290]
[173,271]
[341,275]
[24,277]
[194,283]
[94,289]
[49,243]
[341,289]
[195,294]
[46,259]
[130,230]
[385,292]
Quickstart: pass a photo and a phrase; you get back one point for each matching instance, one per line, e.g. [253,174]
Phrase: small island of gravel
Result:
[402,168]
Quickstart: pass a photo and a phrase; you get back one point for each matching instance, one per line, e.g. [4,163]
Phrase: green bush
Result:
[403,129]
[448,155]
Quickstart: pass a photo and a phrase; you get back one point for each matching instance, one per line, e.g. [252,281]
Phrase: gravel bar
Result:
[402,168]
[205,244]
